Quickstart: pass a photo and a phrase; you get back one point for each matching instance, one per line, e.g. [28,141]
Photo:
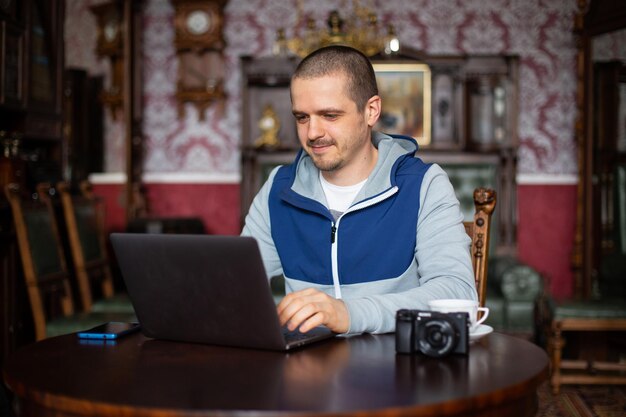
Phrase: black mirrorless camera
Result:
[432,333]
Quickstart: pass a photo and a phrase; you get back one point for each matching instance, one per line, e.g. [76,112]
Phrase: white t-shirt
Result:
[340,198]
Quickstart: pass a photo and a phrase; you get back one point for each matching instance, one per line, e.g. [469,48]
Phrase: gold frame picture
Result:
[405,89]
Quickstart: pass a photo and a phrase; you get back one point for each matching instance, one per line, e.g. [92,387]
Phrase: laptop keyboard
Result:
[295,335]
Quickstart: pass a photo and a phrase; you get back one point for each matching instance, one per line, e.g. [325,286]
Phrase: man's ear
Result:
[372,110]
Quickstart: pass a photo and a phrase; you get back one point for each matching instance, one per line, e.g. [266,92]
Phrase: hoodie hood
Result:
[392,151]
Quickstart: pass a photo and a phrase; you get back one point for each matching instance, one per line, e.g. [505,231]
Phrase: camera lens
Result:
[437,337]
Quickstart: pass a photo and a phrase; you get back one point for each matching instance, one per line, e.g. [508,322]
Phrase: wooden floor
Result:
[579,400]
[583,401]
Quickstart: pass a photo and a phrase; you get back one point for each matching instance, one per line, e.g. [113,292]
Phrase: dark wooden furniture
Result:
[45,272]
[478,230]
[464,90]
[31,69]
[83,124]
[355,376]
[84,222]
[110,44]
[32,143]
[83,218]
[43,263]
[14,311]
[599,258]
[582,370]
[119,39]
[600,149]
[199,42]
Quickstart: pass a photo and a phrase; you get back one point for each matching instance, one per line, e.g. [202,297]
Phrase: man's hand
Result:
[310,308]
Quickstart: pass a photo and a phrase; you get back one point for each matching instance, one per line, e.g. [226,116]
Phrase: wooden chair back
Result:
[84,220]
[43,259]
[478,231]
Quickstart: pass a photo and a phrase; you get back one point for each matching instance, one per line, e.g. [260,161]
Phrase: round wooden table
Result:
[354,376]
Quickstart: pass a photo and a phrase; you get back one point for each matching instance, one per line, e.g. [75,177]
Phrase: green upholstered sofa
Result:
[512,289]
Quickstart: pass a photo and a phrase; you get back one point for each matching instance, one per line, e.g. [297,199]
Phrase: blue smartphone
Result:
[109,331]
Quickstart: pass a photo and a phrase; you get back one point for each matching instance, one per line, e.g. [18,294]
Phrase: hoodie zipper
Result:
[334,226]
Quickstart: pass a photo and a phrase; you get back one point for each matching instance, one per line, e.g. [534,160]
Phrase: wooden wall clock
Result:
[110,44]
[199,48]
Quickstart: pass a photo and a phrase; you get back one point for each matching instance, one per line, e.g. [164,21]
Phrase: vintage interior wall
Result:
[539,31]
[199,155]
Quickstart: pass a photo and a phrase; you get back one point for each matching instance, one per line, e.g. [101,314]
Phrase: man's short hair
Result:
[342,59]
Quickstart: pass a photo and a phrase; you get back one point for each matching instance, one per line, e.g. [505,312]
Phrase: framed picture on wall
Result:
[405,89]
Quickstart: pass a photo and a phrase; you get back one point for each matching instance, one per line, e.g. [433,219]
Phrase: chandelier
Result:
[360,30]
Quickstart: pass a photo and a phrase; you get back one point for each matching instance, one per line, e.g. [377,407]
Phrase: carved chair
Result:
[83,216]
[45,271]
[478,231]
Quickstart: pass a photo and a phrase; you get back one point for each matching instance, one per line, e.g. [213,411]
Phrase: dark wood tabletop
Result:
[355,376]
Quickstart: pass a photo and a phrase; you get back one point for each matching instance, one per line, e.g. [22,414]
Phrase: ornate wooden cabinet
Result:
[265,83]
[465,108]
[599,247]
[31,138]
[31,70]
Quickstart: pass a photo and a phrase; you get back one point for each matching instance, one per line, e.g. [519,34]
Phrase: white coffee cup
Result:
[464,306]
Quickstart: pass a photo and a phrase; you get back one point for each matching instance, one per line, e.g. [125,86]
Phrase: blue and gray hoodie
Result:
[400,244]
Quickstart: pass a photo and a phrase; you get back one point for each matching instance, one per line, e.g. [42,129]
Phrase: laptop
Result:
[204,289]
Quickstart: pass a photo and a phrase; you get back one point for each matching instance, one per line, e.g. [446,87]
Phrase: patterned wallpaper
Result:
[610,46]
[538,31]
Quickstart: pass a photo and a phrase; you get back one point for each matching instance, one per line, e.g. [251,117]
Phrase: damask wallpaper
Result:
[538,31]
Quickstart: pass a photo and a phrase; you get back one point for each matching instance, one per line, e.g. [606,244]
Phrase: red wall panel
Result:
[545,233]
[546,221]
[216,204]
[114,203]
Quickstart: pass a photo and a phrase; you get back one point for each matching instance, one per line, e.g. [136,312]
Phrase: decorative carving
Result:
[110,44]
[361,31]
[199,45]
[478,244]
[478,230]
[485,199]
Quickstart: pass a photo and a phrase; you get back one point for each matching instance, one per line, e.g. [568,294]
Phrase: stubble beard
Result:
[325,165]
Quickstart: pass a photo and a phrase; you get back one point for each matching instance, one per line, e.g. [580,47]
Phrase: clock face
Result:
[110,30]
[198,22]
[267,122]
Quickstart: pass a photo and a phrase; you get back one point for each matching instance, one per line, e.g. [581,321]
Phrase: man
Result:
[358,225]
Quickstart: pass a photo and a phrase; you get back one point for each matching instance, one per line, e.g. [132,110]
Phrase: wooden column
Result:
[135,206]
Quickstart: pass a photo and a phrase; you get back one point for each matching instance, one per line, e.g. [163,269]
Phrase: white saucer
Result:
[481,331]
